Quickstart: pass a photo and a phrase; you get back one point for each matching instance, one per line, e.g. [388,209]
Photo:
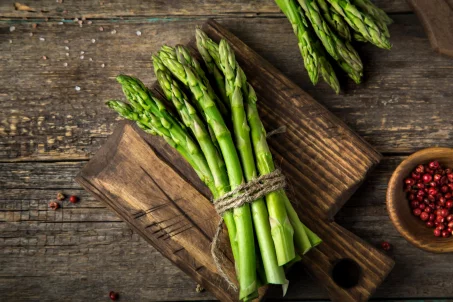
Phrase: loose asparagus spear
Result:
[242,215]
[378,14]
[335,20]
[326,70]
[233,84]
[342,52]
[310,56]
[191,119]
[361,23]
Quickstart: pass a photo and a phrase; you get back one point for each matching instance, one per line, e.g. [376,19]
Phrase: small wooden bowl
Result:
[410,226]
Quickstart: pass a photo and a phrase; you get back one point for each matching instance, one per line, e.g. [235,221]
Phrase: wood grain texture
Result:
[437,19]
[135,8]
[89,257]
[400,212]
[43,117]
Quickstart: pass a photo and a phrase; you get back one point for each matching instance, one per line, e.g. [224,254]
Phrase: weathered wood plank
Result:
[42,116]
[109,9]
[84,260]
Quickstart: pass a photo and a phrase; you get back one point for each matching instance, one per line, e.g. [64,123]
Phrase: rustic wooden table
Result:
[55,78]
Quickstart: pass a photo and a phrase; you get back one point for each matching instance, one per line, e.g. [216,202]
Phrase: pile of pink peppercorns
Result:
[429,189]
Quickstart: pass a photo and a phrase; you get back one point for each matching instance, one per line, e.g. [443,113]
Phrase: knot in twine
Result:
[246,193]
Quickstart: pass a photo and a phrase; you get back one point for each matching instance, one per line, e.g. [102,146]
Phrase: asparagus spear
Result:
[233,84]
[242,216]
[326,70]
[211,65]
[335,20]
[191,119]
[378,14]
[265,165]
[342,52]
[281,229]
[182,54]
[310,56]
[361,23]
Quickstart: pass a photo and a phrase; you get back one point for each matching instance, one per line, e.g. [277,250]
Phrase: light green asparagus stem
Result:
[334,20]
[265,165]
[342,52]
[161,119]
[242,215]
[211,65]
[233,84]
[361,23]
[191,119]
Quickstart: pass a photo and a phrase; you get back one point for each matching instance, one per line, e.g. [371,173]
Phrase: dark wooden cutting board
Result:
[151,187]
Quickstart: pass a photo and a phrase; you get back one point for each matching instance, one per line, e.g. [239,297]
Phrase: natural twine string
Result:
[243,194]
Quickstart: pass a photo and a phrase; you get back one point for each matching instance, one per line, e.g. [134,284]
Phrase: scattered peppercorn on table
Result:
[59,61]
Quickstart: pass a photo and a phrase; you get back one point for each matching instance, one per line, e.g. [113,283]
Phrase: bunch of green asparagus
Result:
[329,26]
[217,129]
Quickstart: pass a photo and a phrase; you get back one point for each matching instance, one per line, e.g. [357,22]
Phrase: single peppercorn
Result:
[386,246]
[434,165]
[54,205]
[113,295]
[427,178]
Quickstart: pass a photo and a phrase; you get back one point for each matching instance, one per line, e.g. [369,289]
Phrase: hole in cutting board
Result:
[346,273]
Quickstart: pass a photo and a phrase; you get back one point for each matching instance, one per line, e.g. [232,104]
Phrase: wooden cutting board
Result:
[152,188]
